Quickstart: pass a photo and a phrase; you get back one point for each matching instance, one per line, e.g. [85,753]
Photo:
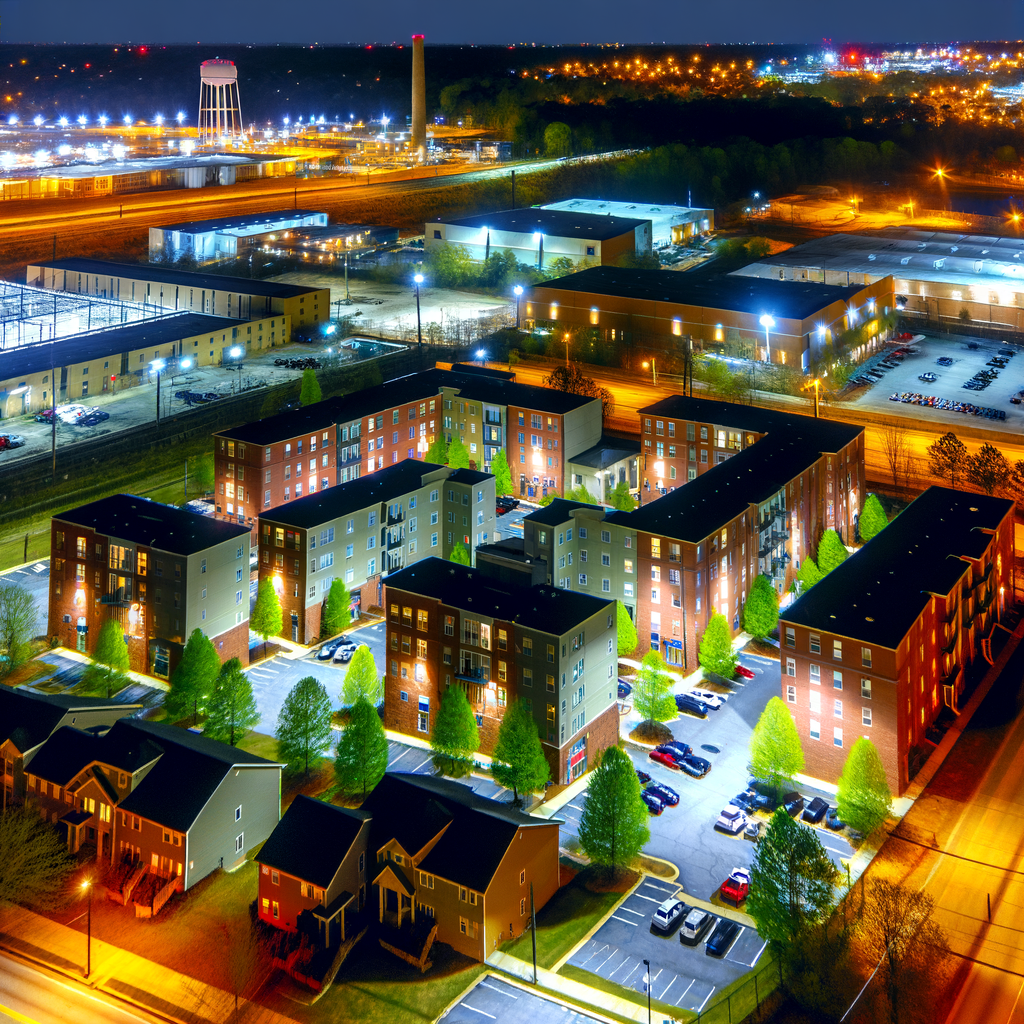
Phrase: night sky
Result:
[540,21]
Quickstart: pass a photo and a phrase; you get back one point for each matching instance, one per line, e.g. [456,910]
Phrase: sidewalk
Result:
[132,979]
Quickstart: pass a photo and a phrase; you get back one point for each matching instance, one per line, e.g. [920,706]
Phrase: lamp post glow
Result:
[654,371]
[767,322]
[155,367]
[237,352]
[418,280]
[518,292]
[816,384]
[87,886]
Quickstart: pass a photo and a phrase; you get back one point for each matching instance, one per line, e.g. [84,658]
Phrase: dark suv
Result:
[794,804]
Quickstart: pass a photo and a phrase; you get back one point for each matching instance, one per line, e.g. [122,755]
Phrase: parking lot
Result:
[494,999]
[405,758]
[681,975]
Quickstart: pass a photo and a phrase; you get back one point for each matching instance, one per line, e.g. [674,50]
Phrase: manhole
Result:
[710,748]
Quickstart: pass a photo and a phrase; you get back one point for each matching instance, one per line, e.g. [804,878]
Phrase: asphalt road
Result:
[35,578]
[492,999]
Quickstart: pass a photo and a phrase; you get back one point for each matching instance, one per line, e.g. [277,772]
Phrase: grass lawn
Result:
[29,672]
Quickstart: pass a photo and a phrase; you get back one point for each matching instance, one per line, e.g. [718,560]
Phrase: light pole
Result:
[767,322]
[481,355]
[418,280]
[816,384]
[567,350]
[518,292]
[236,353]
[654,371]
[647,983]
[87,886]
[155,367]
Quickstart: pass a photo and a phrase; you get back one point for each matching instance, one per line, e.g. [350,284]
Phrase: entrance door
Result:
[295,628]
[83,632]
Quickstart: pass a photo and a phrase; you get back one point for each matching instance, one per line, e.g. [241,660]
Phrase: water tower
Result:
[219,113]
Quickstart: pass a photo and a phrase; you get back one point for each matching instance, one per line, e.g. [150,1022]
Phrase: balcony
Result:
[394,563]
[952,643]
[395,540]
[117,599]
[398,517]
[473,674]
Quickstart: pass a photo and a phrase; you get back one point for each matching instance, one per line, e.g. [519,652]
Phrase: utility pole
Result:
[533,932]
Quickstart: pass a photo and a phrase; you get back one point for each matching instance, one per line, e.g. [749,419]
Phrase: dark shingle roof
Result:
[312,839]
[70,750]
[547,609]
[561,223]
[152,524]
[795,300]
[28,718]
[879,591]
[606,452]
[558,511]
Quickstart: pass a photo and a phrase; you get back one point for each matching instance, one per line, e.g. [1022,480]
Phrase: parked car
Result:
[45,416]
[345,650]
[713,700]
[664,759]
[694,766]
[3,444]
[724,936]
[13,440]
[736,886]
[832,820]
[731,820]
[654,805]
[669,914]
[944,361]
[664,793]
[753,830]
[92,418]
[508,501]
[692,706]
[744,801]
[676,748]
[643,777]
[815,810]
[746,673]
[928,377]
[624,689]
[794,804]
[327,651]
[695,925]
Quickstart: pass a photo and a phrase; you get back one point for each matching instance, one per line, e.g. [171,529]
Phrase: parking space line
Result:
[607,958]
[650,899]
[575,808]
[759,952]
[475,1010]
[421,764]
[624,920]
[664,991]
[408,750]
[500,991]
[660,888]
[679,1001]
[700,1009]
[630,910]
[625,981]
[625,960]
[594,952]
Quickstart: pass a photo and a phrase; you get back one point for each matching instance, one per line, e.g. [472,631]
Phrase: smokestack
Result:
[419,102]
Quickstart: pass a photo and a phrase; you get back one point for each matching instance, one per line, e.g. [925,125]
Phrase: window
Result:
[837,650]
[865,657]
[791,694]
[837,736]
[865,716]
[583,579]
[790,666]
[790,636]
[238,813]
[815,644]
[527,647]
[816,674]
[240,842]
[865,689]
[815,730]
[815,701]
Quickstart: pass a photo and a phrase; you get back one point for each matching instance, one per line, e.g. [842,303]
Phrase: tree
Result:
[192,681]
[988,469]
[437,453]
[775,754]
[1015,484]
[761,609]
[304,725]
[808,574]
[652,690]
[613,826]
[201,474]
[557,138]
[232,710]
[18,618]
[111,650]
[455,738]
[458,454]
[459,554]
[35,866]
[248,960]
[896,449]
[831,553]
[580,493]
[863,797]
[266,619]
[792,881]
[716,647]
[948,457]
[502,473]
[362,756]
[873,519]
[309,393]
[621,499]
[518,762]
[338,610]
[450,265]
[627,638]
[361,679]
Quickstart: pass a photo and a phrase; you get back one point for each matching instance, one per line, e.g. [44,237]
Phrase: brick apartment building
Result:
[160,571]
[450,625]
[366,529]
[881,645]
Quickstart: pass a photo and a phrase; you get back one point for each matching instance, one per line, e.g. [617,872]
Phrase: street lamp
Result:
[237,352]
[566,339]
[155,367]
[481,355]
[87,886]
[418,280]
[816,384]
[518,292]
[767,322]
[647,983]
[654,371]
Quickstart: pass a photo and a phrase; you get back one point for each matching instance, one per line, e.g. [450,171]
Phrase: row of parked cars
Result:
[505,503]
[337,651]
[10,441]
[73,415]
[734,818]
[694,923]
[890,362]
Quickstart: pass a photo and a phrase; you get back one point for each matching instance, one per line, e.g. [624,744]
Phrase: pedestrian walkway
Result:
[132,979]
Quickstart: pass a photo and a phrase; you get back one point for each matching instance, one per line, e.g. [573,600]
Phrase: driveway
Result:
[492,999]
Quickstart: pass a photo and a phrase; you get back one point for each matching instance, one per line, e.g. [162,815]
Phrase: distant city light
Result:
[7,161]
[41,157]
[159,119]
[37,120]
[127,118]
[62,121]
[83,120]
[119,152]
[103,119]
[13,119]
[180,116]
[64,150]
[187,146]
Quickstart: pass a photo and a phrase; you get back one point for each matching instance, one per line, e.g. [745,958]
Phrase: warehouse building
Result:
[226,237]
[669,224]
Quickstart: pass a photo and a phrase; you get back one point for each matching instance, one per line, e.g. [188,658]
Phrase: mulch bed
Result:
[651,732]
[601,880]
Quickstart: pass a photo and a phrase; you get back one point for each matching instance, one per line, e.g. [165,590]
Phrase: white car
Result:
[70,413]
[345,650]
[713,700]
[732,820]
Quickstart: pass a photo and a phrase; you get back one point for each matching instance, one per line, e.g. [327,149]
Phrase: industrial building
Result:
[787,322]
[242,298]
[936,275]
[669,224]
[538,236]
[227,236]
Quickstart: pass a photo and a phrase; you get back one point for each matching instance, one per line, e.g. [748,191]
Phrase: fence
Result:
[743,1000]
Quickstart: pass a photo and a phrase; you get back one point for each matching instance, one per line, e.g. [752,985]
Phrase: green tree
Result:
[716,653]
[831,553]
[948,457]
[362,756]
[761,609]
[519,763]
[450,265]
[18,619]
[808,574]
[309,393]
[304,725]
[580,493]
[557,139]
[361,679]
[561,266]
[192,681]
[232,710]
[455,738]
[437,453]
[613,826]
[266,619]
[502,473]
[200,473]
[873,519]
[627,638]
[111,650]
[863,797]
[792,881]
[458,454]
[35,866]
[338,610]
[652,690]
[620,497]
[988,469]
[775,754]
[460,554]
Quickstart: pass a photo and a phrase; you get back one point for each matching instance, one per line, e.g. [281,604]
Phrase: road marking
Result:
[660,888]
[408,750]
[630,910]
[664,991]
[501,991]
[607,958]
[632,924]
[420,765]
[475,1010]
[758,957]
[700,1009]
[834,850]
[650,899]
[39,567]
[19,1017]
[575,808]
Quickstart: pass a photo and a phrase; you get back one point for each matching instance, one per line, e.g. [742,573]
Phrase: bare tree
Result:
[248,960]
[897,455]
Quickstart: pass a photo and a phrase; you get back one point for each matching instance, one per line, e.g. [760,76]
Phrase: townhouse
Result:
[160,571]
[365,530]
[451,625]
[881,646]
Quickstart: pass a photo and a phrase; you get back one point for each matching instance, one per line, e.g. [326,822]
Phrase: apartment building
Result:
[160,571]
[880,647]
[451,625]
[364,531]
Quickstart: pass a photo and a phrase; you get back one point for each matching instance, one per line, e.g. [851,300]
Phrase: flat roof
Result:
[878,593]
[663,216]
[151,524]
[184,278]
[22,360]
[256,221]
[558,511]
[560,223]
[547,609]
[793,300]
